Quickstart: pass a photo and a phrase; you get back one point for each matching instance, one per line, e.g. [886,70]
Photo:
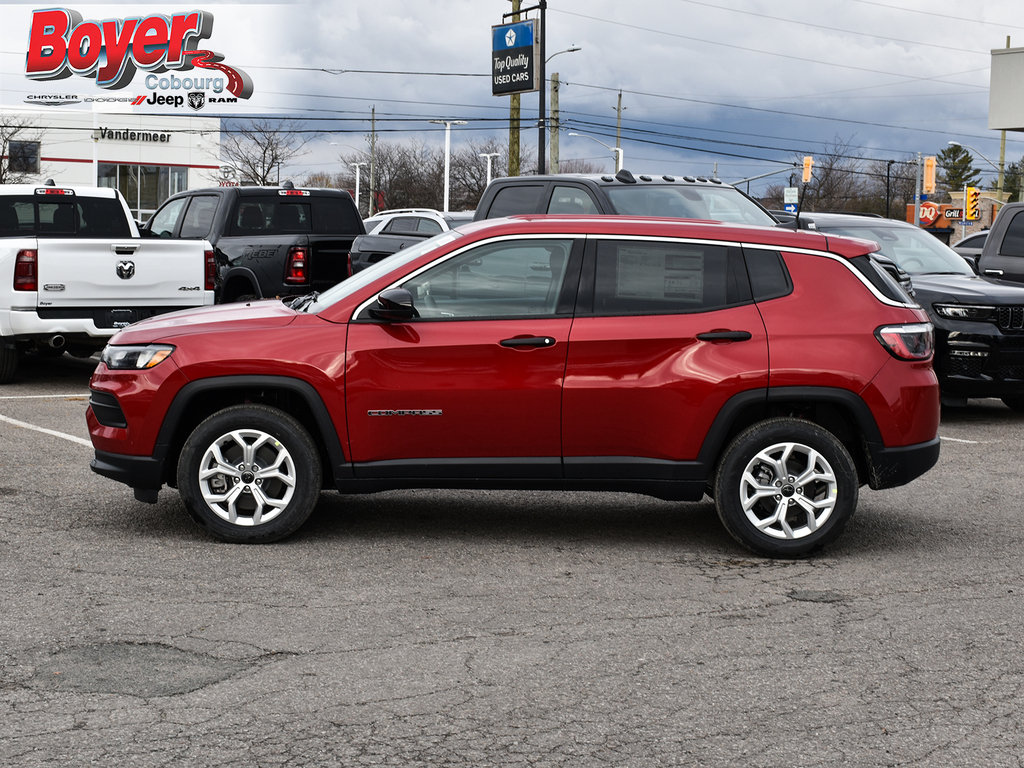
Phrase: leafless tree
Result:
[18,167]
[259,150]
[839,182]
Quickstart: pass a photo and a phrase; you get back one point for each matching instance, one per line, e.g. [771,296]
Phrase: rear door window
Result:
[198,219]
[658,278]
[516,199]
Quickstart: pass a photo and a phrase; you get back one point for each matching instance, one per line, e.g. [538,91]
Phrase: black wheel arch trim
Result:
[328,436]
[722,427]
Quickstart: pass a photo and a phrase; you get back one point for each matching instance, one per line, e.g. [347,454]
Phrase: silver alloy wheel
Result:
[247,477]
[788,491]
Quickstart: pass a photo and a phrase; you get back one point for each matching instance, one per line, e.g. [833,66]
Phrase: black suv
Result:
[677,197]
[268,241]
[979,322]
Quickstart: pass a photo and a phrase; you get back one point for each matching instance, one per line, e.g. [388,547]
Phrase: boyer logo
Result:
[61,44]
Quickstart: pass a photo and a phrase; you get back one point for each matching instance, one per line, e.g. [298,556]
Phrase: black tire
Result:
[1014,403]
[769,499]
[9,355]
[230,504]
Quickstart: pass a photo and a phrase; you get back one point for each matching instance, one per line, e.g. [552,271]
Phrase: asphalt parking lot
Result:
[452,628]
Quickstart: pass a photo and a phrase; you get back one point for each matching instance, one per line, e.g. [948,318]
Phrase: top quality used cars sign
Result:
[111,51]
[514,53]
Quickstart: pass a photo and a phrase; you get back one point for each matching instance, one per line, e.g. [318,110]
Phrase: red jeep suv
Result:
[773,370]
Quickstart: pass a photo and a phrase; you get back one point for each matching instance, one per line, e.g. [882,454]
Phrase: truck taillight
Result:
[26,270]
[210,272]
[296,273]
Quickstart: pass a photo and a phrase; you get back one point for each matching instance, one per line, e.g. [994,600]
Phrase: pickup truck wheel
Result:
[785,487]
[250,474]
[8,363]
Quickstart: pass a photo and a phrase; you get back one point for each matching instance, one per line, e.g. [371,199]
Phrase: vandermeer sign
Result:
[515,51]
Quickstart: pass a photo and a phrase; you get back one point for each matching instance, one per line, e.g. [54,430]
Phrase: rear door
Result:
[666,332]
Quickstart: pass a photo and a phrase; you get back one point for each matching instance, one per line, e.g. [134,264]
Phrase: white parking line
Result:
[958,440]
[33,427]
[72,396]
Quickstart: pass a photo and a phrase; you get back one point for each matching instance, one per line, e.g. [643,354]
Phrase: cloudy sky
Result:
[744,86]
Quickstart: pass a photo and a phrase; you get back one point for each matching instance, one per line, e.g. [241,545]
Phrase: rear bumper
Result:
[892,467]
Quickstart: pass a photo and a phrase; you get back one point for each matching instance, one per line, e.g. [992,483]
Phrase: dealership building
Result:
[147,157]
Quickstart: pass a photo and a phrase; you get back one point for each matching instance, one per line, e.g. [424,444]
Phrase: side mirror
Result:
[394,304]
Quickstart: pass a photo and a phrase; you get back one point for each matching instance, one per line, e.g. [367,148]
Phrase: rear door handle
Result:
[528,341]
[725,336]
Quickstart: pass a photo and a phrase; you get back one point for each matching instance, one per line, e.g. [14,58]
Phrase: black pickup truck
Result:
[268,241]
[1002,256]
[684,197]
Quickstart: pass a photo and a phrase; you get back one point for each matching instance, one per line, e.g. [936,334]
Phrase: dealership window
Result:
[23,156]
[145,187]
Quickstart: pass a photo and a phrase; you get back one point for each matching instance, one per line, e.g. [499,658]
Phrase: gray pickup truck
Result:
[1002,257]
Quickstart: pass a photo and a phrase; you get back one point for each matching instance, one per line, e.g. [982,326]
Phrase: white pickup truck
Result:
[74,271]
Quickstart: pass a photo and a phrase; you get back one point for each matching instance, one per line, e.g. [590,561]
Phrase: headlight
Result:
[135,358]
[965,312]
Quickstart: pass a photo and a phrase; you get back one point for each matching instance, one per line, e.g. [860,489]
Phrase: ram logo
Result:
[126,270]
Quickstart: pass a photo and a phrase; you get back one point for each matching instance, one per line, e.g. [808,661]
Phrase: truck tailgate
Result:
[80,272]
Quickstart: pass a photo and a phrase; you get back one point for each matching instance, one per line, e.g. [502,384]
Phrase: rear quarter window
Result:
[769,278]
[880,279]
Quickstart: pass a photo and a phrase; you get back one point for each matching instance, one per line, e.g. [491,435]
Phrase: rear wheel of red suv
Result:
[785,487]
[250,474]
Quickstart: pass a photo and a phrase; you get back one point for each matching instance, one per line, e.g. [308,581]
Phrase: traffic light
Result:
[808,162]
[929,175]
[972,203]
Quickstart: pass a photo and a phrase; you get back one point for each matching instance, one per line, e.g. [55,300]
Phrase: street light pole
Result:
[447,153]
[999,167]
[554,110]
[617,150]
[489,156]
[356,166]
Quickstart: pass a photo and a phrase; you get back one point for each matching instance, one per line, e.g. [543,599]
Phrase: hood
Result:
[967,289]
[269,313]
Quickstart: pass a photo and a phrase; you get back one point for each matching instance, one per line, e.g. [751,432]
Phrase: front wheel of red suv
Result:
[785,487]
[250,474]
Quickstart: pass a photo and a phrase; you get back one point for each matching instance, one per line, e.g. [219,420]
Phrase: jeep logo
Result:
[126,270]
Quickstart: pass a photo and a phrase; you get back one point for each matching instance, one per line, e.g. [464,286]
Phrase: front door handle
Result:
[996,272]
[529,342]
[725,336]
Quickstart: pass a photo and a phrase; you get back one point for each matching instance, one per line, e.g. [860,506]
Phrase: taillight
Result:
[914,341]
[210,273]
[26,270]
[296,274]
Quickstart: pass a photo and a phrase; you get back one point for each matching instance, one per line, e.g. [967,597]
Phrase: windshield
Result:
[689,202]
[914,250]
[378,270]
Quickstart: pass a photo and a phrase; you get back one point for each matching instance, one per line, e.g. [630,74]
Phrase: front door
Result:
[472,387]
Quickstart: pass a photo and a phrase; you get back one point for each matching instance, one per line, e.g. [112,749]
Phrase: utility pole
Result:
[513,117]
[917,194]
[1002,153]
[542,90]
[618,122]
[373,156]
[554,122]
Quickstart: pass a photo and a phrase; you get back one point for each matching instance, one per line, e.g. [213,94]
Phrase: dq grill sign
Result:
[60,44]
